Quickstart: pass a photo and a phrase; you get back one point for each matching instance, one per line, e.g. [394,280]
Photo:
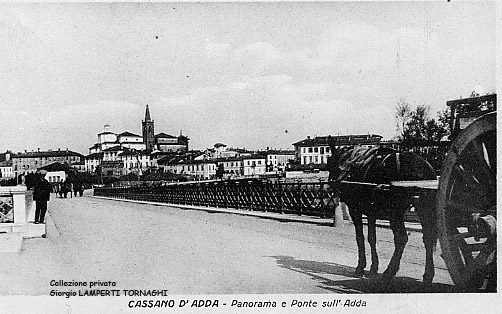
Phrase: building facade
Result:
[171,144]
[26,162]
[277,160]
[254,165]
[6,171]
[131,141]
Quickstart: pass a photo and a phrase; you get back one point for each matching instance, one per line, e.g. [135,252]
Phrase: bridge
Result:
[187,249]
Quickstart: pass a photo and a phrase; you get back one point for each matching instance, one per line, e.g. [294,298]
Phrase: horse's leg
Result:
[400,240]
[372,242]
[429,236]
[358,225]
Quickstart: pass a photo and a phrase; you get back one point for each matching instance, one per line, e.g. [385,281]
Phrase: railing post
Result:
[281,202]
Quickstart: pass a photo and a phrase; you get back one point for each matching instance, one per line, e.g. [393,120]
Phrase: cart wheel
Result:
[466,207]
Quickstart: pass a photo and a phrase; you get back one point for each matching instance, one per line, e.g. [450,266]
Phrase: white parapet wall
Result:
[16,208]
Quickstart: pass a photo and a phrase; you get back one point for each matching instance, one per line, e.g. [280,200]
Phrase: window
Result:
[321,150]
[304,160]
[316,150]
[315,159]
[327,149]
[310,149]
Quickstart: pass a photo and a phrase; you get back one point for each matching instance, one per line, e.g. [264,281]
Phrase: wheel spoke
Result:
[477,162]
[470,180]
[464,207]
[477,269]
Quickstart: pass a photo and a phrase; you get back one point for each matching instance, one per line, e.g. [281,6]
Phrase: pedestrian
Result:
[62,188]
[41,195]
[66,188]
[70,188]
[81,190]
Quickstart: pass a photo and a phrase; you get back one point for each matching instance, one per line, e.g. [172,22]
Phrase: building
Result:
[131,141]
[138,161]
[317,150]
[56,172]
[197,169]
[119,154]
[6,171]
[220,150]
[148,128]
[31,161]
[254,165]
[92,161]
[107,139]
[232,166]
[171,144]
[278,159]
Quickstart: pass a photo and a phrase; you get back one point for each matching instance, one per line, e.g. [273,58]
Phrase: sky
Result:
[249,75]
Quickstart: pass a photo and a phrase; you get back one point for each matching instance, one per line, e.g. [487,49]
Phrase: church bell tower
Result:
[148,131]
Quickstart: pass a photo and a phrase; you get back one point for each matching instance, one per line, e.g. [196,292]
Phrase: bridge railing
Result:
[315,199]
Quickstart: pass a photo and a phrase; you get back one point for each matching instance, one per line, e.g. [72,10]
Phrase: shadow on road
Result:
[352,284]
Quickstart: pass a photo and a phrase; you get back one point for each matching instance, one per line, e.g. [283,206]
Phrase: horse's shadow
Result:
[319,271]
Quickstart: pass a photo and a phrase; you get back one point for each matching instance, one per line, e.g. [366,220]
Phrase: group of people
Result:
[64,187]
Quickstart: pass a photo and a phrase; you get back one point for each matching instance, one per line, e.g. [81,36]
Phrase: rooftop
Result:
[50,153]
[94,156]
[56,166]
[279,152]
[7,163]
[352,139]
[129,134]
[164,135]
[112,149]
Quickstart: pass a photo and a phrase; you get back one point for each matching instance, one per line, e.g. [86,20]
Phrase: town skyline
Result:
[250,75]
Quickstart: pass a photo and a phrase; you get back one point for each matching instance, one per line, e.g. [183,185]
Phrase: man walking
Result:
[41,195]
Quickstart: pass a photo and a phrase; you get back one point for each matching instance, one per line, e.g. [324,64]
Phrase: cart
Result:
[466,195]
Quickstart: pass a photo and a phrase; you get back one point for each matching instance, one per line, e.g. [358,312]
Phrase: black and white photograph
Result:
[248,157]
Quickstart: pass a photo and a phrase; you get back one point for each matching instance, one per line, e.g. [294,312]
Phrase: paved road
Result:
[142,246]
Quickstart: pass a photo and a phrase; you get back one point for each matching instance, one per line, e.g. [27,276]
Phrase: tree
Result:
[418,127]
[443,123]
[402,115]
[415,128]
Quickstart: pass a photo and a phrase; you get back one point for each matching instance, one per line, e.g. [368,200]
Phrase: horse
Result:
[366,173]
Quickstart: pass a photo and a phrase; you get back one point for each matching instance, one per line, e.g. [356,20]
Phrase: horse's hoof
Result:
[427,280]
[374,270]
[359,273]
[385,281]
[427,286]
